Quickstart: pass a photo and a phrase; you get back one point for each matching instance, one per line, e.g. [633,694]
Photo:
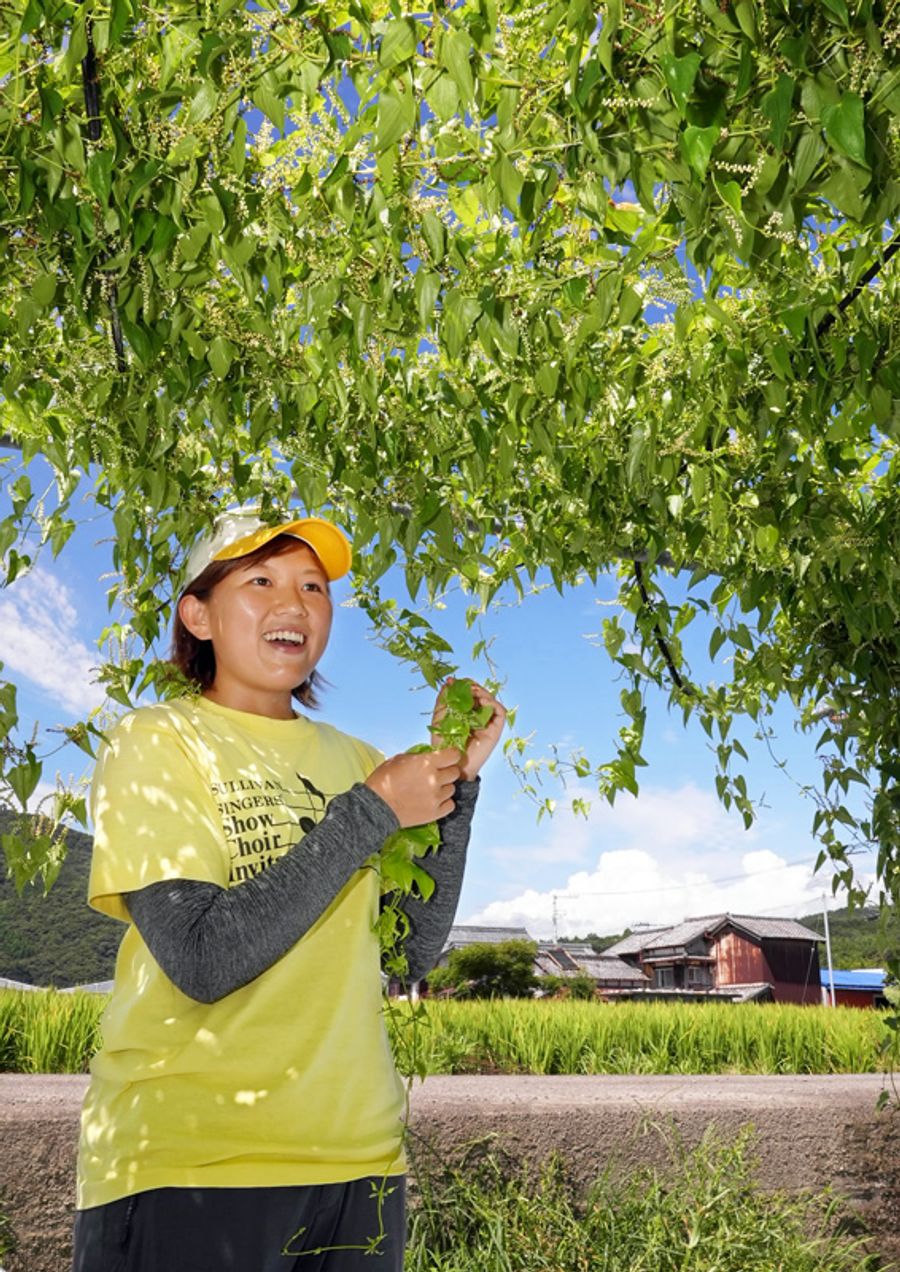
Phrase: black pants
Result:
[354,1227]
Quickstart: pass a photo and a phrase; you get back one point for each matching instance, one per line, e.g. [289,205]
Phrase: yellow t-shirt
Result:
[288,1080]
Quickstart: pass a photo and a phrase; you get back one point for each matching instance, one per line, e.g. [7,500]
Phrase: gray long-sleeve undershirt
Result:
[211,940]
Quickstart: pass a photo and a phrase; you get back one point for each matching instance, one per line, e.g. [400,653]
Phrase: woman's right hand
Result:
[418,788]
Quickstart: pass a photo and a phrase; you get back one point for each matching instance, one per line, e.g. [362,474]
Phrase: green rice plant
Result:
[51,1032]
[44,1031]
[551,1036]
[702,1212]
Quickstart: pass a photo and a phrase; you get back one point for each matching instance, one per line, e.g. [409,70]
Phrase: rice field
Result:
[44,1031]
[51,1032]
[57,1033]
[566,1037]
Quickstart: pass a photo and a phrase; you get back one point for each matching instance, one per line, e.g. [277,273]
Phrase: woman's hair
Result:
[195,658]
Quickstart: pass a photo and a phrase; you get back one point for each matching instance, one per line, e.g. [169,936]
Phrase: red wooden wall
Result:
[790,967]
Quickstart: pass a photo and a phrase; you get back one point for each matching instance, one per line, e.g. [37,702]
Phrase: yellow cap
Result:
[241,532]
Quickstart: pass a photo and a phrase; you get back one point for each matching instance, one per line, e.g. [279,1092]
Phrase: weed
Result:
[702,1213]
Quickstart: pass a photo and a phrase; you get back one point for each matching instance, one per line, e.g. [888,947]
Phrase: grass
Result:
[50,1032]
[7,1236]
[703,1213]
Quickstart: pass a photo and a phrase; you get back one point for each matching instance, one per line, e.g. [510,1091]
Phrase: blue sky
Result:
[671,852]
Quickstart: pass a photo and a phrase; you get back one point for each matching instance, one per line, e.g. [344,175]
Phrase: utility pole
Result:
[573,896]
[828,948]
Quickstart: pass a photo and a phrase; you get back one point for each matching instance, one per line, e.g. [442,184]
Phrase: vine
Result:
[511,293]
[400,874]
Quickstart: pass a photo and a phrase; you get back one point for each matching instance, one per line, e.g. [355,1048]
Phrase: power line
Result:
[680,887]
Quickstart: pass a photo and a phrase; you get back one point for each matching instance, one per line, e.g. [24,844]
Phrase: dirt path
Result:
[813,1132]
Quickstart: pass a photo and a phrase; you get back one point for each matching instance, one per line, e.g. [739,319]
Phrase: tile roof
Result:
[544,965]
[611,969]
[680,934]
[633,943]
[741,993]
[763,927]
[574,960]
[564,956]
[463,934]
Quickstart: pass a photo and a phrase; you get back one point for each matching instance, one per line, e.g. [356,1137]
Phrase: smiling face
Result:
[269,623]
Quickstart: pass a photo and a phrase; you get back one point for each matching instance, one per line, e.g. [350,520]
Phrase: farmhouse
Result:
[731,957]
[734,956]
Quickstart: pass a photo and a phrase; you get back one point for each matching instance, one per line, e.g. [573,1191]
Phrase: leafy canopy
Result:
[500,288]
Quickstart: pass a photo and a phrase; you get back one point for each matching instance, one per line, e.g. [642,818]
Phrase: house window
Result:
[698,976]
[665,977]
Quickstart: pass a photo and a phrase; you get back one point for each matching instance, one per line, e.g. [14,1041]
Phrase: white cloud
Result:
[39,641]
[665,855]
[686,817]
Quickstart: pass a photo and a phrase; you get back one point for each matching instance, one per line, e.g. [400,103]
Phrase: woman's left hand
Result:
[482,741]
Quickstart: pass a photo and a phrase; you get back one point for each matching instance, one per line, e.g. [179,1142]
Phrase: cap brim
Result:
[327,541]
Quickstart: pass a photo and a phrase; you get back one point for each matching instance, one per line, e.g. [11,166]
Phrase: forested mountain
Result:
[57,939]
[859,938]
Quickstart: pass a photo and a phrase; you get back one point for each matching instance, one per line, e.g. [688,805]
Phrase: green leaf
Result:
[427,286]
[435,236]
[210,209]
[164,232]
[396,116]
[203,103]
[680,73]
[23,778]
[220,356]
[610,22]
[806,158]
[43,290]
[744,11]
[509,181]
[455,50]
[99,174]
[839,9]
[457,319]
[267,96]
[138,339]
[882,404]
[731,193]
[443,97]
[697,146]
[845,127]
[716,641]
[776,106]
[70,145]
[766,538]
[398,43]
[120,19]
[238,149]
[844,188]
[458,696]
